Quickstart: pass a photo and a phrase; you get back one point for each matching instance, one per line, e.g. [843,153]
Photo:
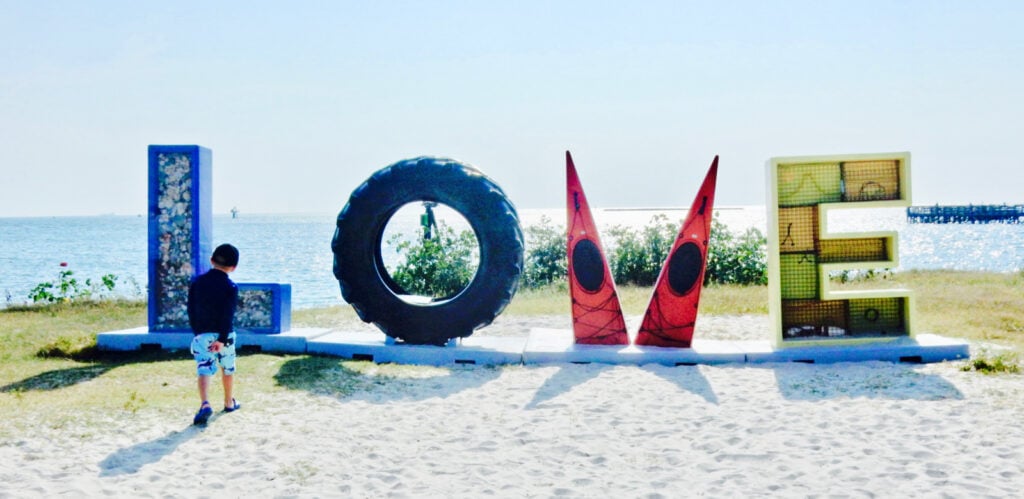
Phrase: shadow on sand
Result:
[328,376]
[872,379]
[58,378]
[130,460]
[100,364]
[687,378]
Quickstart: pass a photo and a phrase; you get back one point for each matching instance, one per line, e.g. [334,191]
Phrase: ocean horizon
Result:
[295,248]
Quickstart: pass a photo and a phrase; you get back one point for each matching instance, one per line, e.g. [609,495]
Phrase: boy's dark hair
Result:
[226,255]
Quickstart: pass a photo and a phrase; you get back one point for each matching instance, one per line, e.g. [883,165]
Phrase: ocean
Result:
[296,249]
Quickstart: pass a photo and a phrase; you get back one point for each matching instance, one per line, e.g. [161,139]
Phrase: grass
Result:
[51,373]
[989,363]
[978,306]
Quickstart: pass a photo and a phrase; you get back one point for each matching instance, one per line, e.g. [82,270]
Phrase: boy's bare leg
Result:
[229,384]
[204,387]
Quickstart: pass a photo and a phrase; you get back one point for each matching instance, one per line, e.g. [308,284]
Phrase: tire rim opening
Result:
[429,251]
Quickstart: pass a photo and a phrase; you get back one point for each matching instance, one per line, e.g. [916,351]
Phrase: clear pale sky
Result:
[302,101]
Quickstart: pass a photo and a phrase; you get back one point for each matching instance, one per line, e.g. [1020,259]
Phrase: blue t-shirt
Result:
[212,299]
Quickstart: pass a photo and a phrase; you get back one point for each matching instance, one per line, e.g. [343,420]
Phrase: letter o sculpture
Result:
[365,282]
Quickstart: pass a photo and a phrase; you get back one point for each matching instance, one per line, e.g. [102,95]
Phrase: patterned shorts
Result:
[207,361]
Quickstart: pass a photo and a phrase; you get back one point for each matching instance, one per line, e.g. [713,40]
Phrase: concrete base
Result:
[923,348]
[554,345]
[375,347]
[293,341]
[140,338]
[546,346]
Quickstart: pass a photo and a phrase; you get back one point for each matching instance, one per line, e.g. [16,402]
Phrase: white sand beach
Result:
[792,430]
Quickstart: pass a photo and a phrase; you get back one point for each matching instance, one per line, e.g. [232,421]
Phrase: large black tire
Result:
[366,284]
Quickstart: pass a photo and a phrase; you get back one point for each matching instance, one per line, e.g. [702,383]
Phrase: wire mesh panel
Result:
[798,229]
[799,275]
[809,184]
[814,318]
[872,249]
[878,316]
[870,180]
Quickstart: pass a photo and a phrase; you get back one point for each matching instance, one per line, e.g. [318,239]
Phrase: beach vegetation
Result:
[69,347]
[988,363]
[736,258]
[67,287]
[537,301]
[443,265]
[134,402]
[28,329]
[545,259]
[716,299]
[860,275]
[982,306]
[51,374]
[438,266]
[637,255]
[329,376]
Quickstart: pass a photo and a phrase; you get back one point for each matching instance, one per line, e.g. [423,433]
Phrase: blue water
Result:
[296,249]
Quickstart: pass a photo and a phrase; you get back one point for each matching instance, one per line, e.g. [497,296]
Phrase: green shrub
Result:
[545,257]
[67,288]
[733,259]
[440,266]
[983,362]
[637,257]
[443,265]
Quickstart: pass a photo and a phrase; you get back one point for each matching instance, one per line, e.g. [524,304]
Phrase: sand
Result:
[844,430]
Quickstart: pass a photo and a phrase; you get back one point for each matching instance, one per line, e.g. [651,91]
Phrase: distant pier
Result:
[977,214]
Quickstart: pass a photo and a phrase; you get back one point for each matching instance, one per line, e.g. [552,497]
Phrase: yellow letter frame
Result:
[802,252]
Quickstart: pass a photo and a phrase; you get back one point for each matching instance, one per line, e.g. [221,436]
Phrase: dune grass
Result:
[978,306]
[715,300]
[51,373]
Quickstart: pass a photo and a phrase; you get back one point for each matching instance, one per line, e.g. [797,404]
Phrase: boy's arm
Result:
[191,307]
[229,317]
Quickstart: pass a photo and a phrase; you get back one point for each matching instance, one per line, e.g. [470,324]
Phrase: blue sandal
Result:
[205,411]
[236,406]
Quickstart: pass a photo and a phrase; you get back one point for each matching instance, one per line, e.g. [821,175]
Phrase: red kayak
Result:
[672,312]
[596,313]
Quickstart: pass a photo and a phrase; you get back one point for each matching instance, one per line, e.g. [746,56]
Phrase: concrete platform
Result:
[293,341]
[553,345]
[548,346]
[923,348]
[375,347]
[140,338]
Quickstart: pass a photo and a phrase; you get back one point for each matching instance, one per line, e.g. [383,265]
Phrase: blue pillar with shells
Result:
[180,230]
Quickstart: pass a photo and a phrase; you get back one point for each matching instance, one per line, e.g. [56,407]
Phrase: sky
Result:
[301,102]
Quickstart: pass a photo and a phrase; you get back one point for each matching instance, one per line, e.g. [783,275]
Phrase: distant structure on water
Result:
[234,212]
[977,214]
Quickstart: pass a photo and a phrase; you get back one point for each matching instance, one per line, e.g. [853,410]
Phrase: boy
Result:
[212,298]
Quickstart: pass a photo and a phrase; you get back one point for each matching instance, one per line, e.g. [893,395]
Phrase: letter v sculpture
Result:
[672,312]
